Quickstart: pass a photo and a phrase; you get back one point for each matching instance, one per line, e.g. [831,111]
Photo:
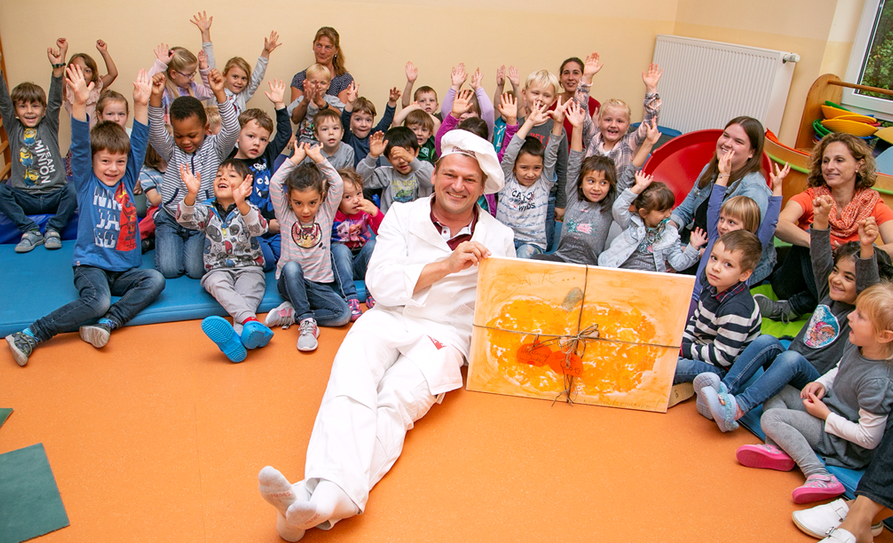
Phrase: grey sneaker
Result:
[776,311]
[22,345]
[52,239]
[283,316]
[30,240]
[309,333]
[96,334]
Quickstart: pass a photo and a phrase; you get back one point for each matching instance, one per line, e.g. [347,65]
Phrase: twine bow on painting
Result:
[566,361]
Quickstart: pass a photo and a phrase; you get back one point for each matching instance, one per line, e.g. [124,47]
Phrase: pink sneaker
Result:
[818,488]
[370,302]
[764,456]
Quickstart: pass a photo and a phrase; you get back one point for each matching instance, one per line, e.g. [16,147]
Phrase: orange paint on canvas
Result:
[528,310]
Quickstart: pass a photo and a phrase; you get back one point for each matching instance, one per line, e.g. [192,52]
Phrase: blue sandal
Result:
[723,411]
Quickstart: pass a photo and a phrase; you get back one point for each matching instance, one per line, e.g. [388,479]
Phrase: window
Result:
[870,60]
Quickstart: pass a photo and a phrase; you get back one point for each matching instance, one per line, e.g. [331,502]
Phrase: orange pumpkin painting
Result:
[591,335]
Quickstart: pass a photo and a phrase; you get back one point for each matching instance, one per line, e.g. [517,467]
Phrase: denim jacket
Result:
[667,248]
[752,185]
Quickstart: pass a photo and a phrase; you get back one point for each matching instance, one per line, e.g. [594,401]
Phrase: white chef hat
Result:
[466,143]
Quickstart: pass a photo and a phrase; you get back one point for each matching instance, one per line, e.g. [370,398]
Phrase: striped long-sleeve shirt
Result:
[205,160]
[722,326]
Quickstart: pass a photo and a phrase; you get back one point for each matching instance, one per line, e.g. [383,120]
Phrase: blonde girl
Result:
[737,213]
[179,66]
[842,414]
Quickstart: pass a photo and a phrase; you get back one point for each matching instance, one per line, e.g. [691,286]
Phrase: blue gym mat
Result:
[9,233]
[36,283]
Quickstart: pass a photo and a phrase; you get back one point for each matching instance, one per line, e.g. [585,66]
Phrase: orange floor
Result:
[158,438]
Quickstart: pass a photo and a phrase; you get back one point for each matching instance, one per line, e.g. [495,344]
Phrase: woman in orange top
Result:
[842,167]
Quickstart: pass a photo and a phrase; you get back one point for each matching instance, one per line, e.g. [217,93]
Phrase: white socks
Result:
[279,493]
[328,502]
[296,510]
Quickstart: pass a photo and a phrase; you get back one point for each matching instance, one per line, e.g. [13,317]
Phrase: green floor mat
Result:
[775,328]
[30,505]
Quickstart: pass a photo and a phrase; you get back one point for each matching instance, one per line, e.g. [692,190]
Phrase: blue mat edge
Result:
[182,299]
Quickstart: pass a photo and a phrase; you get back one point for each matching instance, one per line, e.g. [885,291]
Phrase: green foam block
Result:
[775,328]
[30,505]
[5,412]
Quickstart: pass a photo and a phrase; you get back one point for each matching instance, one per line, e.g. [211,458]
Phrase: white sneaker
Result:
[822,520]
[283,316]
[309,333]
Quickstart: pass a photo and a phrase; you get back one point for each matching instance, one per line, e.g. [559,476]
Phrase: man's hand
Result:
[466,255]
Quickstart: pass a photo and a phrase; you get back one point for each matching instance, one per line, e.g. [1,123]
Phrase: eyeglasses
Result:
[187,76]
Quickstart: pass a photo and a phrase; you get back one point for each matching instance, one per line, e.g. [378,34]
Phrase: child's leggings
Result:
[790,427]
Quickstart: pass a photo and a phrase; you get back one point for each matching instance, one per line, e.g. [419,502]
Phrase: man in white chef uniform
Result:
[400,357]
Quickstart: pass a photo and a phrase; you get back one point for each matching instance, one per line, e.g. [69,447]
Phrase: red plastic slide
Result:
[679,161]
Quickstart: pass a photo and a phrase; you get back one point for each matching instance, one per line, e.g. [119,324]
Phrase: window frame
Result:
[870,104]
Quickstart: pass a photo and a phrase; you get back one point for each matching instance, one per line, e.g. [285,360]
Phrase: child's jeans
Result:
[351,264]
[137,287]
[687,369]
[271,247]
[526,250]
[320,301]
[17,204]
[781,368]
[177,249]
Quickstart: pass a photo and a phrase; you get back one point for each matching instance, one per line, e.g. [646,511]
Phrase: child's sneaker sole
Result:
[255,335]
[221,332]
[818,488]
[94,335]
[755,456]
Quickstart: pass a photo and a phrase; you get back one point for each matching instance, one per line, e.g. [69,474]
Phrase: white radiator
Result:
[705,83]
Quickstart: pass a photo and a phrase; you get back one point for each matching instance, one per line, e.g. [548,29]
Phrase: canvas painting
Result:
[582,334]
